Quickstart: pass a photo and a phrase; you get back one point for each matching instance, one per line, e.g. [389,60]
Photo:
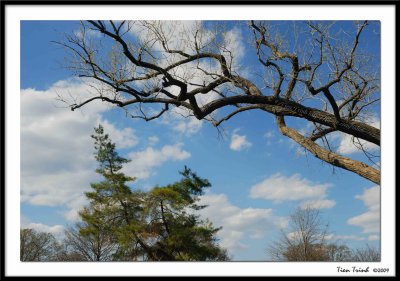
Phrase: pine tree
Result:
[160,224]
[180,233]
[113,206]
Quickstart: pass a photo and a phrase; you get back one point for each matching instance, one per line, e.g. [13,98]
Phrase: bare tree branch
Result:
[195,69]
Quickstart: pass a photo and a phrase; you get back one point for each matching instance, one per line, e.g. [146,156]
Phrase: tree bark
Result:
[290,108]
[337,160]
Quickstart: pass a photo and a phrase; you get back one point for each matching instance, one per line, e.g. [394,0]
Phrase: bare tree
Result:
[67,255]
[367,254]
[319,73]
[338,252]
[37,246]
[96,246]
[304,240]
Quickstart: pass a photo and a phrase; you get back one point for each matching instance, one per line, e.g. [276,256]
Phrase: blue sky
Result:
[253,169]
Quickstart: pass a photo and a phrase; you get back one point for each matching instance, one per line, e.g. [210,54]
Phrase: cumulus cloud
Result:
[344,237]
[55,188]
[188,126]
[280,188]
[87,33]
[178,35]
[373,237]
[74,206]
[182,121]
[56,149]
[152,140]
[143,162]
[349,145]
[371,197]
[318,204]
[295,235]
[73,214]
[233,42]
[239,142]
[175,34]
[57,162]
[237,222]
[57,230]
[369,220]
[123,138]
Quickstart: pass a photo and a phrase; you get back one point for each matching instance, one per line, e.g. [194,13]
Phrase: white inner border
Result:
[13,14]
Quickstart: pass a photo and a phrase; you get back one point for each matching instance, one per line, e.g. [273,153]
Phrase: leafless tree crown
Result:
[322,75]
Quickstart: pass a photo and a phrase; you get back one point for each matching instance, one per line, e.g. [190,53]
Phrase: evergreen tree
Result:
[179,233]
[113,206]
[157,225]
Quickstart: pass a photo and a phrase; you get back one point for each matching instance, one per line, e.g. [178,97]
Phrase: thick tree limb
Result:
[337,160]
[270,104]
[169,76]
[362,130]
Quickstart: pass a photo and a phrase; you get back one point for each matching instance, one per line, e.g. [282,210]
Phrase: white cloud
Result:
[280,188]
[72,214]
[179,35]
[74,206]
[237,222]
[344,237]
[295,235]
[349,145]
[143,162]
[57,163]
[188,126]
[373,237]
[88,33]
[181,121]
[318,204]
[124,138]
[269,135]
[55,188]
[239,142]
[57,230]
[300,151]
[232,240]
[153,140]
[176,34]
[369,220]
[371,197]
[233,42]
